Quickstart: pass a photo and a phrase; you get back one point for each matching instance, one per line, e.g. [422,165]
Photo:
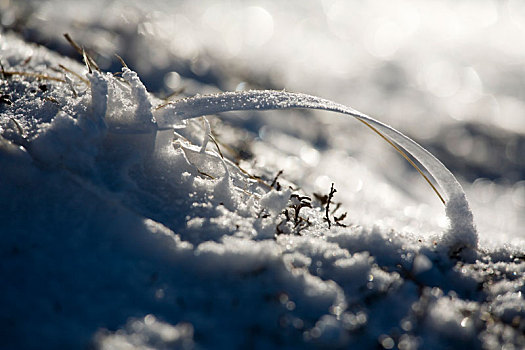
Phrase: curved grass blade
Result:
[462,232]
[174,112]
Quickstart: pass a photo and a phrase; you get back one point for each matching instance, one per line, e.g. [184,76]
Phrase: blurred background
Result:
[450,74]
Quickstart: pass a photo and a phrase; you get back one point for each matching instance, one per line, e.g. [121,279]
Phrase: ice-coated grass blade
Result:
[264,100]
[400,151]
[462,232]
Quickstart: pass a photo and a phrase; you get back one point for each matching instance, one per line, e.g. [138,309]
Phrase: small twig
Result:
[31,74]
[235,153]
[213,137]
[216,145]
[93,63]
[162,105]
[121,61]
[3,70]
[86,61]
[245,172]
[299,202]
[340,218]
[84,80]
[206,174]
[274,182]
[90,62]
[330,196]
[174,93]
[73,43]
[400,151]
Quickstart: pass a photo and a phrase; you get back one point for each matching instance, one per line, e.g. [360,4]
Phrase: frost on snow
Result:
[120,232]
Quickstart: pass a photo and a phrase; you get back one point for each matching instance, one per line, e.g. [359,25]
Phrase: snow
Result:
[119,232]
[148,333]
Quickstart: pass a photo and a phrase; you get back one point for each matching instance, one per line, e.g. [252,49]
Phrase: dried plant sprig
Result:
[121,60]
[81,78]
[32,75]
[89,61]
[400,151]
[328,201]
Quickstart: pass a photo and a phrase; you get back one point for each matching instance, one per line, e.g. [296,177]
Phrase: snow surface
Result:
[116,234]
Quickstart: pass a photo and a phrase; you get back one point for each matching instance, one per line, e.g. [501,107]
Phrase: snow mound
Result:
[117,233]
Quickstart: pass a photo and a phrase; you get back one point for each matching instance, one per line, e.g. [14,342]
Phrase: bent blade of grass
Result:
[462,232]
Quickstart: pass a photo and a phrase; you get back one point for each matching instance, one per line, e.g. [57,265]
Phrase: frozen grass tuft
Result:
[462,233]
